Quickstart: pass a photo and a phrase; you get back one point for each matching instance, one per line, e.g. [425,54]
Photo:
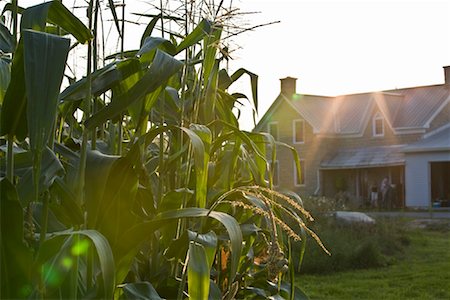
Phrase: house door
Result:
[440,178]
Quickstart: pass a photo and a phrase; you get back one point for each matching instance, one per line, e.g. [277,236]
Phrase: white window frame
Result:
[377,117]
[278,129]
[294,131]
[302,163]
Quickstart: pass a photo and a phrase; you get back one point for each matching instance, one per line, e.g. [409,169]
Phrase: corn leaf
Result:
[209,243]
[198,272]
[45,56]
[16,257]
[163,67]
[5,78]
[253,82]
[201,158]
[140,291]
[35,17]
[203,29]
[51,168]
[104,253]
[13,115]
[7,43]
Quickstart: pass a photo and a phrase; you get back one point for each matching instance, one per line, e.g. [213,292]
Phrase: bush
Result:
[355,246]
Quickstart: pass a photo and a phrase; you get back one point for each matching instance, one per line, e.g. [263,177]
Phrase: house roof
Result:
[406,109]
[419,105]
[364,157]
[439,140]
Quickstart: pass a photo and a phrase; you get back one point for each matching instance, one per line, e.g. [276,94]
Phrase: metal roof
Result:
[437,141]
[368,157]
[404,109]
[419,105]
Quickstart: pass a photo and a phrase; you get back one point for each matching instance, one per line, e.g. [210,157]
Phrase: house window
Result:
[378,125]
[273,130]
[299,131]
[299,181]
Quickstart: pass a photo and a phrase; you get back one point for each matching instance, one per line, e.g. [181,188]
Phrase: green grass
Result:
[423,273]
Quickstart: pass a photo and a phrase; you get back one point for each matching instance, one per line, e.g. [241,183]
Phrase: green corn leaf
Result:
[253,82]
[35,17]
[70,211]
[149,29]
[209,243]
[210,64]
[103,250]
[7,43]
[5,78]
[16,257]
[152,43]
[201,158]
[51,169]
[203,29]
[45,56]
[163,67]
[13,115]
[139,291]
[98,168]
[198,272]
[136,234]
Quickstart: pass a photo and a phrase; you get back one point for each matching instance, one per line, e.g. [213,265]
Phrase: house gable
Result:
[286,105]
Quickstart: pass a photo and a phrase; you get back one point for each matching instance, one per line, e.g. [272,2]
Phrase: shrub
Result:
[355,246]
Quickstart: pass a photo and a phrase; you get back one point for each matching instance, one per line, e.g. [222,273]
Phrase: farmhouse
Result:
[386,149]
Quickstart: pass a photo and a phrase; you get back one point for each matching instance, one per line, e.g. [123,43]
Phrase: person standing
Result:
[384,192]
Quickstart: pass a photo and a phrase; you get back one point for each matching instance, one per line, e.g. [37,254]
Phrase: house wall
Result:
[418,177]
[312,151]
[316,146]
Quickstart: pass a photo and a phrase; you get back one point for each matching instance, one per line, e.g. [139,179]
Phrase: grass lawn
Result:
[423,273]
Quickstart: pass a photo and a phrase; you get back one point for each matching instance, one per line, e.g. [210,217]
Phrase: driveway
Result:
[412,214]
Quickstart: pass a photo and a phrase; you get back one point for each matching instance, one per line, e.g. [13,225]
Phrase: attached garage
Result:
[427,170]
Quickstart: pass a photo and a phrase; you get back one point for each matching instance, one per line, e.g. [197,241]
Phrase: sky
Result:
[333,47]
[343,47]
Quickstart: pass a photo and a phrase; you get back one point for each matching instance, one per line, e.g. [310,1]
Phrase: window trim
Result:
[377,117]
[294,131]
[278,129]
[302,166]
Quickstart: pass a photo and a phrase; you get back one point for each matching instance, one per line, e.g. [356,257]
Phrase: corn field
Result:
[133,179]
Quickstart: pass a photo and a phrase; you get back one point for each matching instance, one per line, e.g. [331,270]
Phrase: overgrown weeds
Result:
[355,246]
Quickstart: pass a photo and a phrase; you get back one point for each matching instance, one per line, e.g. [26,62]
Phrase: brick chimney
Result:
[447,75]
[288,86]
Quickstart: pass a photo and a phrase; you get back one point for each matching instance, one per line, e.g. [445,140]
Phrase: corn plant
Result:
[154,192]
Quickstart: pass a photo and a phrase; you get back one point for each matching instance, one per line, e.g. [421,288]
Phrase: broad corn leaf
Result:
[45,56]
[198,272]
[55,12]
[16,257]
[201,158]
[7,42]
[135,235]
[163,67]
[13,114]
[5,77]
[203,29]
